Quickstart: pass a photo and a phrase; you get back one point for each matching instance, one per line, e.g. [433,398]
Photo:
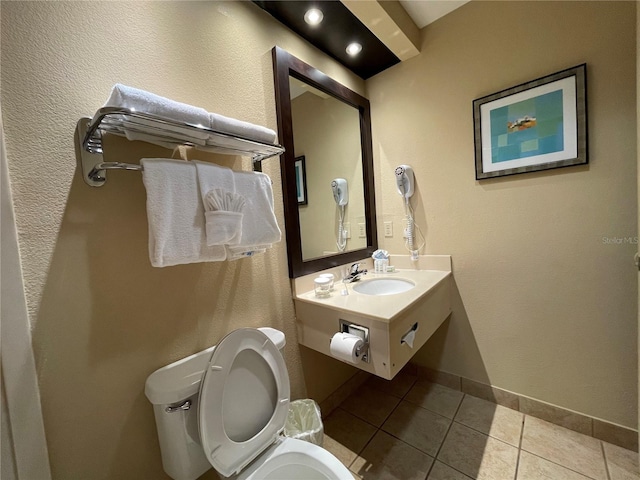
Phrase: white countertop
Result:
[380,307]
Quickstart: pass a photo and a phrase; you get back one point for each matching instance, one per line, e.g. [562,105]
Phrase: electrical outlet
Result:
[362,230]
[388,229]
[347,229]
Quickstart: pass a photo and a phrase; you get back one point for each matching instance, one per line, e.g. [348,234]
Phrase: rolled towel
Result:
[223,217]
[147,102]
[175,212]
[248,130]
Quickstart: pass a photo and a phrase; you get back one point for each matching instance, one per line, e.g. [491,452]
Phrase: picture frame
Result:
[538,125]
[301,180]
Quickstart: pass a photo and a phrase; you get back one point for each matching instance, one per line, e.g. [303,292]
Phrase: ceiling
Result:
[348,21]
[338,28]
[424,12]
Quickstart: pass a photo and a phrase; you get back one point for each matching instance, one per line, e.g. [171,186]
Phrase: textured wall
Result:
[544,306]
[103,319]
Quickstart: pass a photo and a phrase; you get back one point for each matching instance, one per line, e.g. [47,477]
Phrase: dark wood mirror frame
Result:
[285,65]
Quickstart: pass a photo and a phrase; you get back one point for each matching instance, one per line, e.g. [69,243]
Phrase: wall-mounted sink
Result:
[383,286]
[411,302]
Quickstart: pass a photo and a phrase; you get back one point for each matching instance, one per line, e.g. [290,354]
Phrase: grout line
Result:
[444,439]
[606,463]
[520,446]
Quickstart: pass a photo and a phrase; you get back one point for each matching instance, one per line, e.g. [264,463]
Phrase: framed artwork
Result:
[535,126]
[301,180]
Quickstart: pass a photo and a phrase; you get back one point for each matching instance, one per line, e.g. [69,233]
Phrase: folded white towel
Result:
[259,224]
[177,232]
[224,208]
[147,102]
[224,216]
[233,126]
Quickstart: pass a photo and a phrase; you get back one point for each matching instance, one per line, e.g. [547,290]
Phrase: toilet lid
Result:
[244,400]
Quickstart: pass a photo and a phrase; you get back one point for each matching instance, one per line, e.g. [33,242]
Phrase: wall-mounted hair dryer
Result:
[405,181]
[341,196]
[340,191]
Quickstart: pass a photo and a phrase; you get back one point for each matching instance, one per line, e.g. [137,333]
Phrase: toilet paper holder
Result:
[360,331]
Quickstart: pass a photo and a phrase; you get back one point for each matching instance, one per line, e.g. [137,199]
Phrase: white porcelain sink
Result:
[383,286]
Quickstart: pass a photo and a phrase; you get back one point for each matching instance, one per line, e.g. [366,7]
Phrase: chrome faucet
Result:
[354,273]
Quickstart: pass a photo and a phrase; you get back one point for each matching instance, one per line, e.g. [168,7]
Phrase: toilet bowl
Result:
[225,407]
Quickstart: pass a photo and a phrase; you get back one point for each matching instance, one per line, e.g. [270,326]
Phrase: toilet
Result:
[225,407]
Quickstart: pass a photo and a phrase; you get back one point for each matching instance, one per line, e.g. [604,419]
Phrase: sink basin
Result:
[383,286]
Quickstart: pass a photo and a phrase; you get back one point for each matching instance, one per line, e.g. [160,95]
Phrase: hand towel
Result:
[223,214]
[248,130]
[259,225]
[222,226]
[147,102]
[176,214]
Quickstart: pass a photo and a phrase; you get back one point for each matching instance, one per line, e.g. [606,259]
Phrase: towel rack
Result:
[156,129]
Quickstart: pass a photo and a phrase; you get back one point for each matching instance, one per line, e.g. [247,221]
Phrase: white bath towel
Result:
[259,225]
[243,129]
[147,102]
[223,225]
[175,212]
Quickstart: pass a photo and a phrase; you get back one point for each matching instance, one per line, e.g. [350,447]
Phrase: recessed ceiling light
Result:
[313,16]
[354,49]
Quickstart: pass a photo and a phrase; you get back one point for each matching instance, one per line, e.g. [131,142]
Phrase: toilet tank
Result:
[176,387]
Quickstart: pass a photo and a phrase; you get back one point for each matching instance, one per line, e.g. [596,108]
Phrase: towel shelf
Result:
[158,130]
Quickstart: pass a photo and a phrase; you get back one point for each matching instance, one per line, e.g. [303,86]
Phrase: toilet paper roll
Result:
[344,346]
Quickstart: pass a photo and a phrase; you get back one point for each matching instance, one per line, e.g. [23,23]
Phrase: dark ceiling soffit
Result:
[338,29]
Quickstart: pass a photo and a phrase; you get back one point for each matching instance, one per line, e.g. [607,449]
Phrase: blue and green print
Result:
[527,128]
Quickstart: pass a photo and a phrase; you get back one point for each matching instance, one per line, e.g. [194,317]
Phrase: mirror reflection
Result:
[328,168]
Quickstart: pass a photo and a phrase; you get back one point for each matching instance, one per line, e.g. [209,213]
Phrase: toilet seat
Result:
[243,400]
[293,459]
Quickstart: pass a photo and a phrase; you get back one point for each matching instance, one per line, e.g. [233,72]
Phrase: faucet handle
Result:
[355,269]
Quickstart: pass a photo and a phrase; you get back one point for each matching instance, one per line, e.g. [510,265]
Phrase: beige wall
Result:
[327,132]
[103,319]
[544,306]
[638,162]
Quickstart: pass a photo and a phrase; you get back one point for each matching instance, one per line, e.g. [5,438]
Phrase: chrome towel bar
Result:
[157,130]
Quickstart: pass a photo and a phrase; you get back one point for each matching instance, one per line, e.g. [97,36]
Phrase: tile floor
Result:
[410,429]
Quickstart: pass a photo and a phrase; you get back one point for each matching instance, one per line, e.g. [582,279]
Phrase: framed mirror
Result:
[327,168]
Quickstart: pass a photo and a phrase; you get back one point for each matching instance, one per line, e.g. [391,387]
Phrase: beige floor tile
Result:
[531,467]
[387,458]
[573,450]
[418,427]
[398,387]
[494,420]
[622,463]
[345,435]
[478,455]
[370,405]
[435,397]
[440,471]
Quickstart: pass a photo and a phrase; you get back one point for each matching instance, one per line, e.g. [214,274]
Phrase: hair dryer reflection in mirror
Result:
[341,197]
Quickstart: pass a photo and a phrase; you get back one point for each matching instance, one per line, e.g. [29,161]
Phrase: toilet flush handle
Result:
[186,405]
